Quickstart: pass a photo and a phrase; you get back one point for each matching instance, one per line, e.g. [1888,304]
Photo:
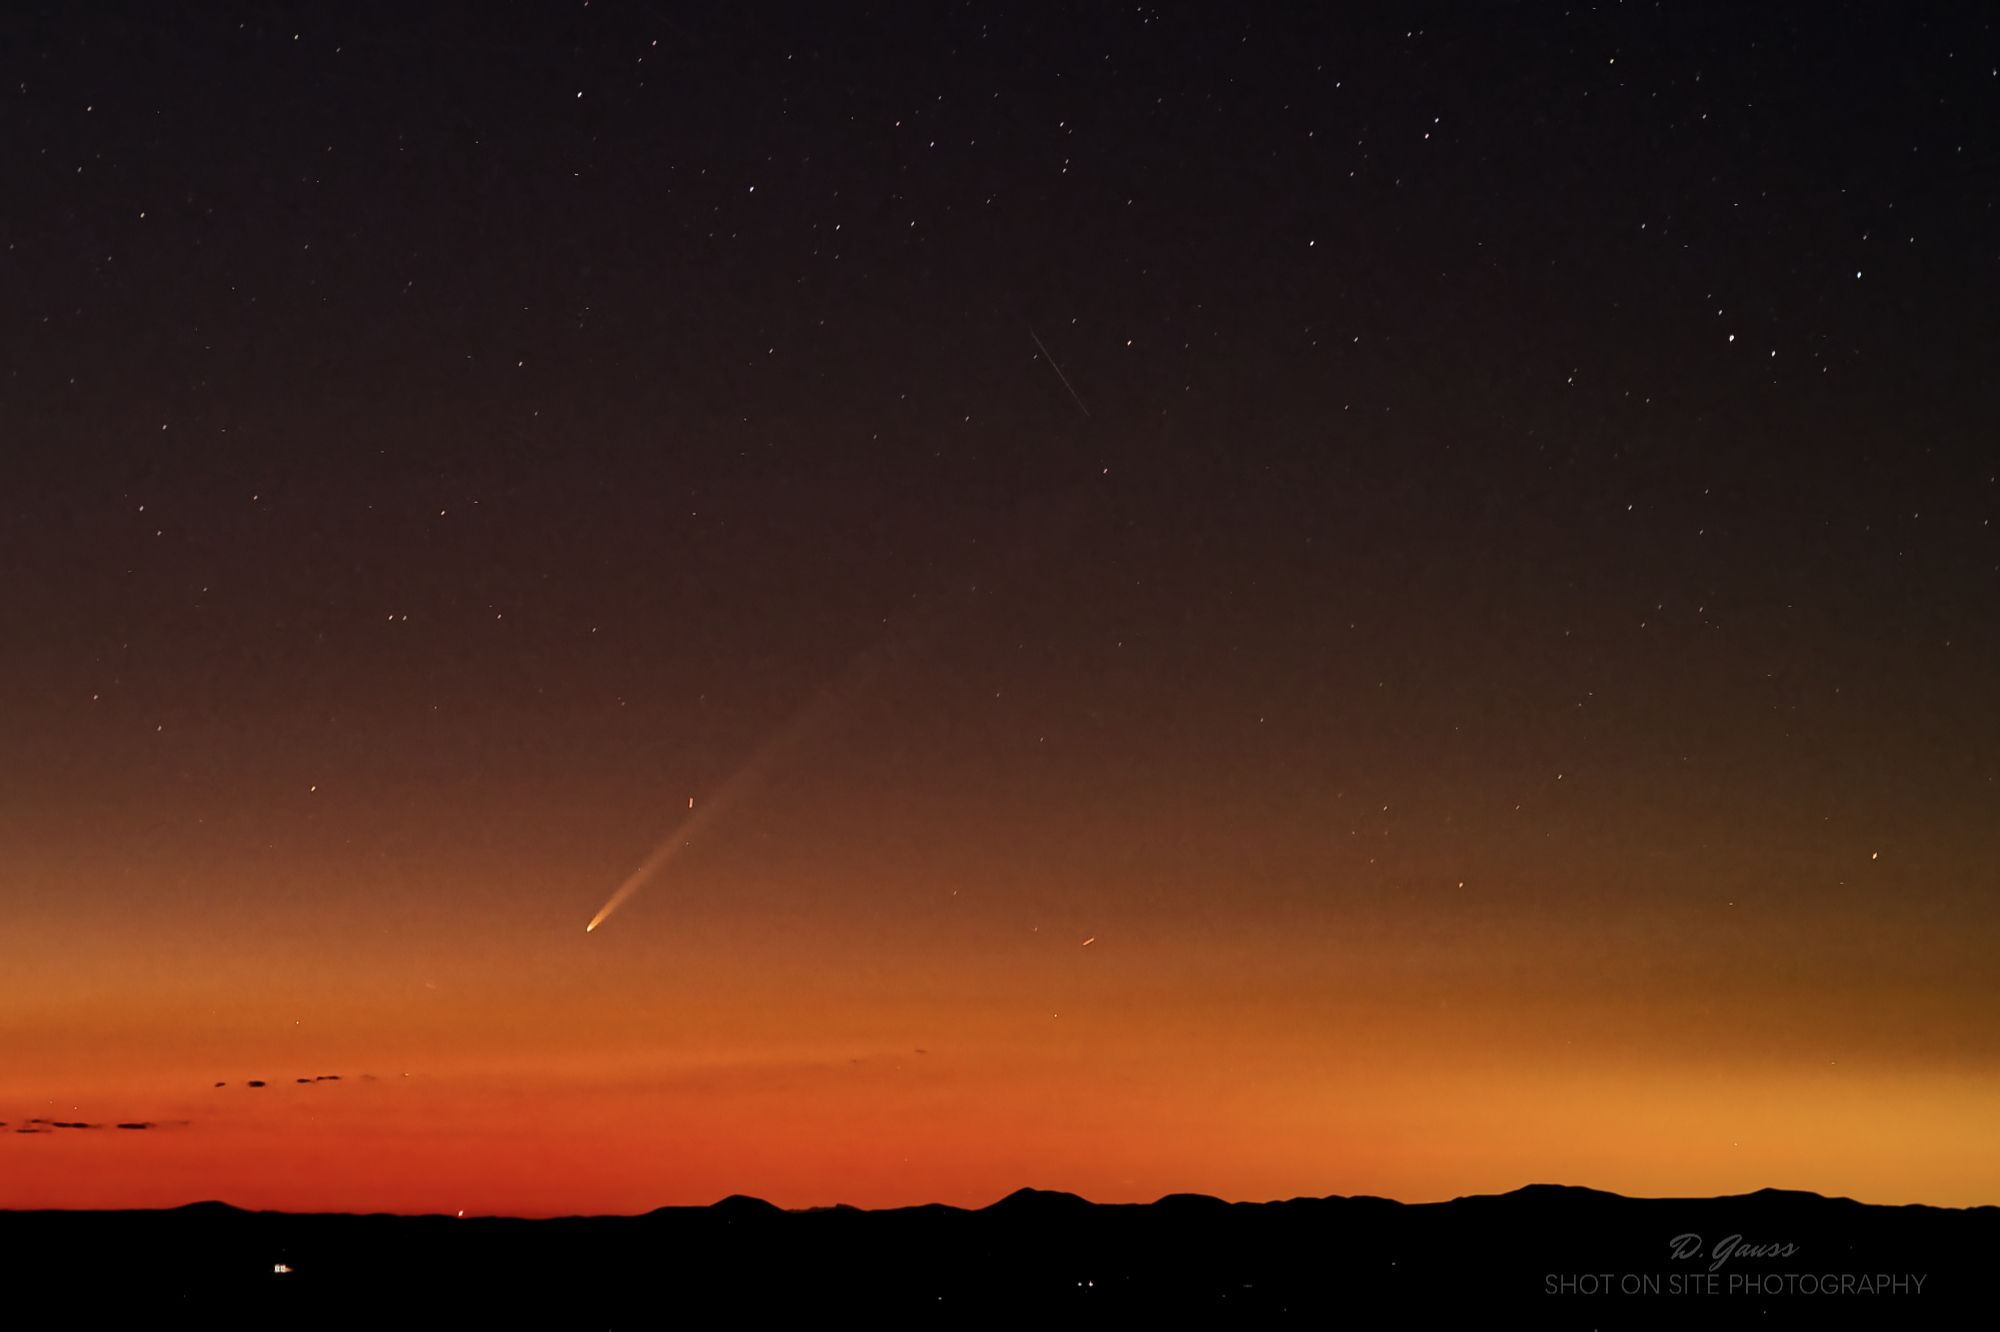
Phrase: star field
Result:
[1424,577]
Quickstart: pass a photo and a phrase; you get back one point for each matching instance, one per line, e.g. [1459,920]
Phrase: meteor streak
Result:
[1059,372]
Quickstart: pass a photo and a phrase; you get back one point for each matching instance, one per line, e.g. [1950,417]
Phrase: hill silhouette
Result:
[1556,1256]
[1047,1203]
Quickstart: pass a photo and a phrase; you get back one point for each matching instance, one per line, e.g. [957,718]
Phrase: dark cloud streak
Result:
[302,1082]
[39,1125]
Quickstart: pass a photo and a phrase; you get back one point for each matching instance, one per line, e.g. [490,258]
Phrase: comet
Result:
[815,717]
[1051,523]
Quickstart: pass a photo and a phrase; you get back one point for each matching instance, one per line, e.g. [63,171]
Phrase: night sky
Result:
[1339,599]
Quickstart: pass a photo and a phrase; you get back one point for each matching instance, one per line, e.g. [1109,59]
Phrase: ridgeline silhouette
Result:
[1557,1256]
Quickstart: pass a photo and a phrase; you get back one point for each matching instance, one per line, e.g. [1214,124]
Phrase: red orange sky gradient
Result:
[1462,553]
[824,1004]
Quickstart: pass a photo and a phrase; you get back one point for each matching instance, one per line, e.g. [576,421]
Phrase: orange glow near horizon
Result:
[1131,603]
[880,1058]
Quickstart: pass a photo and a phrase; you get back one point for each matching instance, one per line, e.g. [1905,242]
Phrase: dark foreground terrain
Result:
[1556,1257]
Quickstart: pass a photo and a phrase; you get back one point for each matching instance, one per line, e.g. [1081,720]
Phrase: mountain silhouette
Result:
[1546,1255]
[1038,1202]
[740,1207]
[1190,1202]
[210,1208]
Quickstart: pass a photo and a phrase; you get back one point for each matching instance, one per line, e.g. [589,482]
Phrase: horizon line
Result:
[1025,1192]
